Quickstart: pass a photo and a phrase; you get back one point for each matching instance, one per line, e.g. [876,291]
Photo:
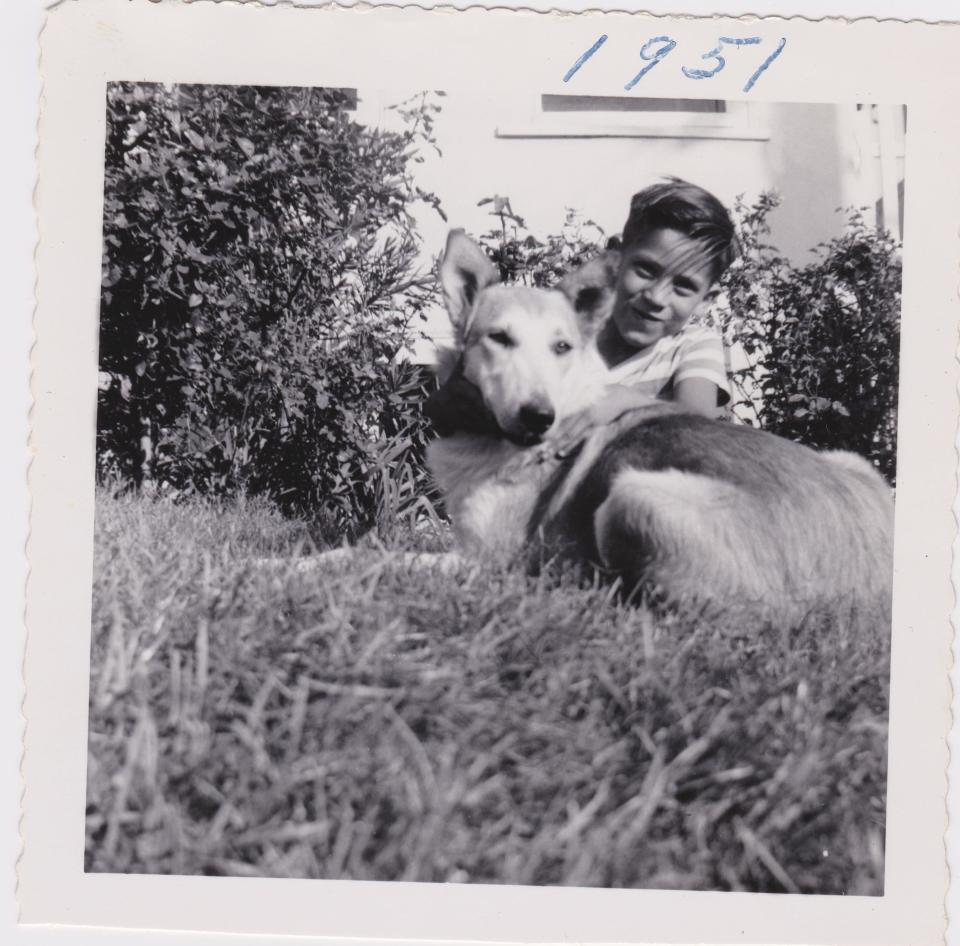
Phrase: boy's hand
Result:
[573,430]
[457,406]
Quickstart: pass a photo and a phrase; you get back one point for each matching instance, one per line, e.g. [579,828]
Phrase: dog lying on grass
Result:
[690,510]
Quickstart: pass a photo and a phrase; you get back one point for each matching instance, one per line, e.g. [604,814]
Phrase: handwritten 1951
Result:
[657,48]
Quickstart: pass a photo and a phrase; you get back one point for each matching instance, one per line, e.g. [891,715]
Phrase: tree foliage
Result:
[521,257]
[822,339]
[259,282]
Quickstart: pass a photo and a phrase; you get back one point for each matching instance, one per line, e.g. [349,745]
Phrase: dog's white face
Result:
[524,350]
[529,351]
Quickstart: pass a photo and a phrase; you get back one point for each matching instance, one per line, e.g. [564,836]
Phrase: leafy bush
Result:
[522,258]
[259,281]
[822,340]
[404,492]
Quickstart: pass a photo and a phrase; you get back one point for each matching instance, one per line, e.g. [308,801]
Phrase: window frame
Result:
[736,122]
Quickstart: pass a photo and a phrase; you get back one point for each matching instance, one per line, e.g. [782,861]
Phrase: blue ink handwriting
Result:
[766,62]
[667,45]
[715,54]
[657,48]
[572,71]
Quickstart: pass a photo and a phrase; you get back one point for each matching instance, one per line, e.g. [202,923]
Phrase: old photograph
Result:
[491,476]
[495,489]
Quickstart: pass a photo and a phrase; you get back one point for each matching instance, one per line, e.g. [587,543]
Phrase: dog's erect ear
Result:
[464,271]
[591,289]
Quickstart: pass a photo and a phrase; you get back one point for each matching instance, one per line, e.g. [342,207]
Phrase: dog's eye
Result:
[561,348]
[501,338]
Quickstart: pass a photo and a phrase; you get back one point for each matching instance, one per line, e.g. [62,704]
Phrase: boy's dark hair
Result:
[679,205]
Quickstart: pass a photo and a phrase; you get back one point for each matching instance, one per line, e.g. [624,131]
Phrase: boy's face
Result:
[664,278]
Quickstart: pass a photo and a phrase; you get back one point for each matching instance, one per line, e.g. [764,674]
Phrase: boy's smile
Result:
[664,277]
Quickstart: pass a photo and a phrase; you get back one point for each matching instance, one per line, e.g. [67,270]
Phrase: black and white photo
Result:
[505,486]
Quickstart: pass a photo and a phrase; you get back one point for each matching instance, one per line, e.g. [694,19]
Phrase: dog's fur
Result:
[693,510]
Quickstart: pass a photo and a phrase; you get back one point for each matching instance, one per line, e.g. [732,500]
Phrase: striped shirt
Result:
[694,352]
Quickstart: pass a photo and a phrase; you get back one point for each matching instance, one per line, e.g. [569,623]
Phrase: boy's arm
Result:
[700,382]
[698,395]
[619,399]
[616,401]
[693,395]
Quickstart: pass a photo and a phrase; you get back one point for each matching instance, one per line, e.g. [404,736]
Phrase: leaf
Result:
[246,146]
[173,116]
[194,139]
[194,300]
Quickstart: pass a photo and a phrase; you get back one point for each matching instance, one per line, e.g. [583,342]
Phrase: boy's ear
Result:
[591,289]
[464,271]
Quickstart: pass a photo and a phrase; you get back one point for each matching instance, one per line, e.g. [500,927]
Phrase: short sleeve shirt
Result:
[694,352]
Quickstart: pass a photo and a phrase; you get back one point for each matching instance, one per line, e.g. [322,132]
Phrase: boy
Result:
[677,242]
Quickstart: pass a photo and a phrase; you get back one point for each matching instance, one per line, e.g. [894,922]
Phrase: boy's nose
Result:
[656,294]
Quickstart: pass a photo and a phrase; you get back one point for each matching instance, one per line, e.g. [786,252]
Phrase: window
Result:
[631,116]
[628,103]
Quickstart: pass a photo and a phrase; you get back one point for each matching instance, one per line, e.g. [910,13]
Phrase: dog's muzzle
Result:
[457,406]
[533,421]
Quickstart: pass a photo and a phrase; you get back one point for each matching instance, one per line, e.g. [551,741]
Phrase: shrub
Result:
[259,280]
[521,257]
[404,491]
[822,339]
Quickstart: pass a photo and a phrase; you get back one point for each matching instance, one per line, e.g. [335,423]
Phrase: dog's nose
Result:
[536,419]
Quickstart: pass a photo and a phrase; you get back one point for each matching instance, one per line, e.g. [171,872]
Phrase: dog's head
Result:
[529,351]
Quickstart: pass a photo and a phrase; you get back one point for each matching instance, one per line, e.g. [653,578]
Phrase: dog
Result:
[684,509]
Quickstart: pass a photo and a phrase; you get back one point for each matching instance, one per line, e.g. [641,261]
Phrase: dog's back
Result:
[707,512]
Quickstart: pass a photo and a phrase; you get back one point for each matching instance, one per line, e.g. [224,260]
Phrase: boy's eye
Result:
[501,338]
[561,348]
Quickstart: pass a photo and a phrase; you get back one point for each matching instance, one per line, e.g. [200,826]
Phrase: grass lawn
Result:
[376,722]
